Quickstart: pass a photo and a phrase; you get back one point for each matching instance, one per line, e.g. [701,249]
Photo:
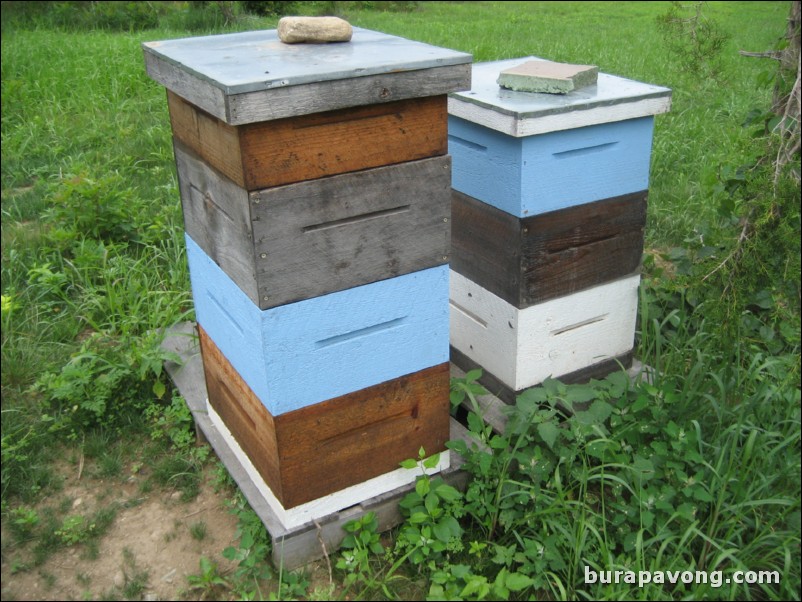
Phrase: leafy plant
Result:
[361,544]
[77,528]
[208,581]
[251,553]
[468,388]
[23,521]
[431,529]
[198,530]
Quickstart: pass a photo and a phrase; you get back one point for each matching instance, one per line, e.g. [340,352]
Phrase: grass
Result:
[698,468]
[198,530]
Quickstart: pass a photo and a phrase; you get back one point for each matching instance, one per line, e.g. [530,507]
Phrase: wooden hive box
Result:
[542,257]
[333,454]
[304,353]
[585,332]
[315,186]
[288,243]
[528,153]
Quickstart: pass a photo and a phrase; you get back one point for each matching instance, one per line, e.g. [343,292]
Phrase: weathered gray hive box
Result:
[315,184]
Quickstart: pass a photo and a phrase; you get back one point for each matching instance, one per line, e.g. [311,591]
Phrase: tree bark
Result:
[789,61]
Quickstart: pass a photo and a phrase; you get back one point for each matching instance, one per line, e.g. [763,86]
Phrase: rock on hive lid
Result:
[548,77]
[519,114]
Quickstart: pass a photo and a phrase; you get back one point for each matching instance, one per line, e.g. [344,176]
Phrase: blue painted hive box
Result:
[531,153]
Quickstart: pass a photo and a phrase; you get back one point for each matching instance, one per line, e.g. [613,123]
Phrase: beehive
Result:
[549,207]
[315,186]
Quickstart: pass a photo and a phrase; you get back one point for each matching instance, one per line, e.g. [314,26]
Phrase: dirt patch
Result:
[154,543]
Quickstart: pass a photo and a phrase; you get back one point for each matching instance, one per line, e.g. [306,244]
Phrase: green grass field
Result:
[697,470]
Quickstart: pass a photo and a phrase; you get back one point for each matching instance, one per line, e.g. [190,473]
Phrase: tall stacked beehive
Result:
[549,208]
[315,185]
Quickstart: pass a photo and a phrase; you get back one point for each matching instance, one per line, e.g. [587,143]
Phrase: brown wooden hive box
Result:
[530,260]
[295,149]
[315,451]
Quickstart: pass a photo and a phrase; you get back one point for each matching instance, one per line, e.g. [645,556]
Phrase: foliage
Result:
[694,465]
[251,553]
[344,7]
[695,40]
[78,15]
[208,581]
[361,545]
[270,7]
[431,530]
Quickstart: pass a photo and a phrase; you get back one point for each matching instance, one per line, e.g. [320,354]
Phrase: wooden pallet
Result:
[295,547]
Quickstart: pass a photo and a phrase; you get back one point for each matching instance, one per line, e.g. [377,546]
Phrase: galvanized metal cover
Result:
[258,60]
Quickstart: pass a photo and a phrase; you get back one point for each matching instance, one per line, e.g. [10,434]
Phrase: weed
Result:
[83,579]
[23,521]
[73,530]
[292,585]
[208,581]
[251,553]
[110,464]
[180,470]
[135,579]
[693,37]
[77,528]
[198,530]
[48,578]
[362,545]
[431,530]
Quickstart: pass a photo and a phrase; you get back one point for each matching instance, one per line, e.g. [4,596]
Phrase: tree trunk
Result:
[789,62]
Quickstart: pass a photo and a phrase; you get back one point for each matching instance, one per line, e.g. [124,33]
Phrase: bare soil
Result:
[147,553]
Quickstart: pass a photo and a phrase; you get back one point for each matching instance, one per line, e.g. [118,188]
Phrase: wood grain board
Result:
[349,339]
[534,259]
[217,215]
[274,153]
[523,347]
[294,242]
[313,452]
[538,174]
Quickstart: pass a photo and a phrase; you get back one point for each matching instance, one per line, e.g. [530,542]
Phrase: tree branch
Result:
[769,54]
